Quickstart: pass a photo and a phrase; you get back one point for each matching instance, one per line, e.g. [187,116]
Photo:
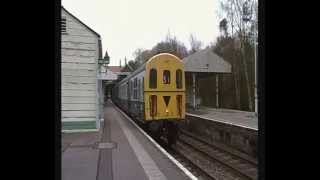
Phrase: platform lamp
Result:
[104,62]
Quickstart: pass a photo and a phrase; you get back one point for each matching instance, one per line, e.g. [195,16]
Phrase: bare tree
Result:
[242,17]
[132,65]
[223,26]
[194,44]
[170,45]
[137,55]
[141,56]
[226,47]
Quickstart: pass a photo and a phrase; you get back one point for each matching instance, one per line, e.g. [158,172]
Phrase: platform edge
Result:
[172,159]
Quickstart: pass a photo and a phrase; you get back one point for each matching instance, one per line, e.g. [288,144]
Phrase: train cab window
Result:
[179,79]
[166,77]
[153,79]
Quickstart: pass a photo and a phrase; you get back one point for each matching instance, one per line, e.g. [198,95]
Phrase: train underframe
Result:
[167,128]
[163,128]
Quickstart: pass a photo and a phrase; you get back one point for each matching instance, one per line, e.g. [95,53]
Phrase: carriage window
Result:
[166,77]
[135,89]
[153,79]
[139,89]
[179,79]
[131,89]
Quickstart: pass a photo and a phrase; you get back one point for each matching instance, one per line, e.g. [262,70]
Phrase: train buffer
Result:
[119,151]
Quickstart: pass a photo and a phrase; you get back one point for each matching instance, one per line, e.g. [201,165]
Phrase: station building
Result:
[203,71]
[117,73]
[85,84]
[81,83]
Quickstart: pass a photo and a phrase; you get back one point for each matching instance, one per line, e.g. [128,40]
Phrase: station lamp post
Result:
[256,71]
[247,16]
[104,62]
[254,38]
[255,44]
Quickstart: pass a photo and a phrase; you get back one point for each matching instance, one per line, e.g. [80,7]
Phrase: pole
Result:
[255,87]
[256,74]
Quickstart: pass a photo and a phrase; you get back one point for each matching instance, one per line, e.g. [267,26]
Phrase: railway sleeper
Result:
[214,169]
[219,155]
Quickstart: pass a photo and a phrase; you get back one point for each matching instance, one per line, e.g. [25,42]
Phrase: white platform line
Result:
[225,122]
[177,163]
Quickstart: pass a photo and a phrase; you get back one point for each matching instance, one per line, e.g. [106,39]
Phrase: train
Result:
[154,95]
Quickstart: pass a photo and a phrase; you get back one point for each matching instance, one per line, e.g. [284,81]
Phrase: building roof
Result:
[206,61]
[109,75]
[115,69]
[94,32]
[118,69]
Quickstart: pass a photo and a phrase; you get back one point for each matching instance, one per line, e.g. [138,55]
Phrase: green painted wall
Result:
[78,125]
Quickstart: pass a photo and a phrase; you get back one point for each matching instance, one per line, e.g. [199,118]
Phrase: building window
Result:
[153,79]
[166,77]
[63,25]
[179,79]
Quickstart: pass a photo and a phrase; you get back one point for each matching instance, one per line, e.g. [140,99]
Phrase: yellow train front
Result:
[164,91]
[155,95]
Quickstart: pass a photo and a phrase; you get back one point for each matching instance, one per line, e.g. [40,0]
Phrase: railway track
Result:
[195,170]
[214,162]
[206,161]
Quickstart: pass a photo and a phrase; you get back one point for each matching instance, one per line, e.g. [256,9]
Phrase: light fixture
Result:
[105,61]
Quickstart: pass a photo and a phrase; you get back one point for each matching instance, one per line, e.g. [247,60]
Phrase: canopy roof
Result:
[206,61]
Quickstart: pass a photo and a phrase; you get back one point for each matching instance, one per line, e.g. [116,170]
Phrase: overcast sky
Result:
[125,25]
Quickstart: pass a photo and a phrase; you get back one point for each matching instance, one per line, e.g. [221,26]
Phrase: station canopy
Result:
[109,75]
[206,61]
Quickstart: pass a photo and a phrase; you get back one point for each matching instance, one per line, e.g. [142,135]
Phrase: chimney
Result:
[120,62]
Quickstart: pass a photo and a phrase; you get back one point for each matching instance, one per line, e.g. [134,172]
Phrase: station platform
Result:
[120,151]
[228,116]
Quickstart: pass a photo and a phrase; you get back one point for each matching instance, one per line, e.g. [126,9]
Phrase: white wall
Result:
[79,72]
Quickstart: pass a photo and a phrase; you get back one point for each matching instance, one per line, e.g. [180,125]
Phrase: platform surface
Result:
[79,159]
[132,157]
[235,117]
